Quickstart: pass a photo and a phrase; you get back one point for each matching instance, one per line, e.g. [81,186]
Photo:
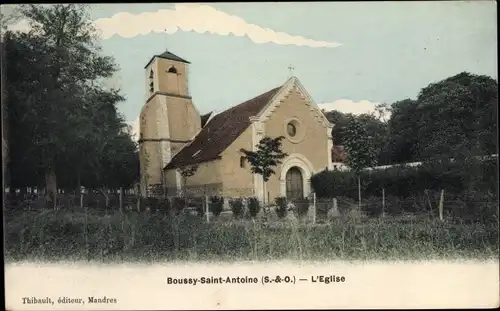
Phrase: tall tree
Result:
[457,117]
[378,132]
[267,156]
[361,153]
[62,44]
[374,125]
[24,75]
[403,131]
[340,120]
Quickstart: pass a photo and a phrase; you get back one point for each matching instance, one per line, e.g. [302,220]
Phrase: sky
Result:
[350,56]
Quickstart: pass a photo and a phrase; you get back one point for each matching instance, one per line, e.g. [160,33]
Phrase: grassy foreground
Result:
[52,235]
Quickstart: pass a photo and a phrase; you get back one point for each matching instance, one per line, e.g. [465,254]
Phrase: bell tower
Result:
[169,120]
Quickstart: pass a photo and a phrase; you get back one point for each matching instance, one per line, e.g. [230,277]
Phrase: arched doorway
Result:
[294,183]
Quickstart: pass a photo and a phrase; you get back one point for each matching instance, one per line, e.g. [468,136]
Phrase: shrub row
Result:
[457,178]
[174,205]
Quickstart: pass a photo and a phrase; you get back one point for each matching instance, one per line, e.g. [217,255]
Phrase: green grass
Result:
[55,235]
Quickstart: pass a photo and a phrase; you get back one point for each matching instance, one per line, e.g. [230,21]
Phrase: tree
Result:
[119,163]
[59,68]
[374,125]
[187,172]
[458,117]
[267,156]
[340,120]
[379,133]
[403,131]
[382,112]
[361,153]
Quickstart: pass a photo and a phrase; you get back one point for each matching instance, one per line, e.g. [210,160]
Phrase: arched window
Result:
[172,70]
[242,162]
[151,74]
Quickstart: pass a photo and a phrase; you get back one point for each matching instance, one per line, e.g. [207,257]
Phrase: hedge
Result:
[406,181]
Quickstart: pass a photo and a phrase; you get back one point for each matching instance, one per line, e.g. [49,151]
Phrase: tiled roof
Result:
[220,132]
[168,55]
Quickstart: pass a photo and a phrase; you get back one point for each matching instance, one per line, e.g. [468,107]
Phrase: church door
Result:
[294,184]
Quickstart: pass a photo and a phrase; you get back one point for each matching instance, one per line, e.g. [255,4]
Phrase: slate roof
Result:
[167,55]
[220,132]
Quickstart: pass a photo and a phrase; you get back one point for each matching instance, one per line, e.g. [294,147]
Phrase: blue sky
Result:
[349,56]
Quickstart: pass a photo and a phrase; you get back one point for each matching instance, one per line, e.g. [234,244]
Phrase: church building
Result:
[175,137]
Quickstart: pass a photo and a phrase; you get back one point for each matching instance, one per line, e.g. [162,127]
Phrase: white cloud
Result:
[350,106]
[194,17]
[134,129]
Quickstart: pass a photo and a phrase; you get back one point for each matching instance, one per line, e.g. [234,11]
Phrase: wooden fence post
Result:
[81,198]
[441,202]
[335,206]
[314,207]
[86,233]
[383,202]
[207,209]
[121,198]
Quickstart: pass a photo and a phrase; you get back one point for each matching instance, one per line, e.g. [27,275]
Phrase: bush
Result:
[302,206]
[216,205]
[199,205]
[178,204]
[281,208]
[152,203]
[253,206]
[237,207]
[164,206]
[322,208]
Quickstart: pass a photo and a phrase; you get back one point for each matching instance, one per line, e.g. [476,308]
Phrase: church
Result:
[174,138]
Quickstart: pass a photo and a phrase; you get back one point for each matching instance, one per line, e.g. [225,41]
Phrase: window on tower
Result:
[151,82]
[172,70]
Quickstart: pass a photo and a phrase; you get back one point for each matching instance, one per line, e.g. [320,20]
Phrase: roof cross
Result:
[290,69]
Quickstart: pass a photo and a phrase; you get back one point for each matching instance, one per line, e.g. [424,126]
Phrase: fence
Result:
[211,190]
[310,209]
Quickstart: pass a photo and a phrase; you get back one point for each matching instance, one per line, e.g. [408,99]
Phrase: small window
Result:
[242,162]
[151,83]
[291,129]
[172,70]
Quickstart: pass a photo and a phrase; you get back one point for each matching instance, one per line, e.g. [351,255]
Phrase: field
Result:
[114,236]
